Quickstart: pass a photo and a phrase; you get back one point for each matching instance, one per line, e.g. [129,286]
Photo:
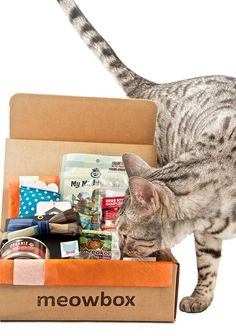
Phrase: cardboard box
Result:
[42,129]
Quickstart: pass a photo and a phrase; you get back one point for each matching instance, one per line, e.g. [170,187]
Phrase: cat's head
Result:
[139,223]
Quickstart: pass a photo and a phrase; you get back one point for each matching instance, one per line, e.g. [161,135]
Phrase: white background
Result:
[161,40]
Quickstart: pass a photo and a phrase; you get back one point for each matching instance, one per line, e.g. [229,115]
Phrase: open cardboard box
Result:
[42,129]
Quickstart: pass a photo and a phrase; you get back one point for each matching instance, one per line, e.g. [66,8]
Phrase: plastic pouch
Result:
[89,179]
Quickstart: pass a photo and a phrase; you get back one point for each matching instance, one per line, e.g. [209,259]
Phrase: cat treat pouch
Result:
[95,185]
[101,245]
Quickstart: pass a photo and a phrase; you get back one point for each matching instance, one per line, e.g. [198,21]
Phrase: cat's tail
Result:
[133,84]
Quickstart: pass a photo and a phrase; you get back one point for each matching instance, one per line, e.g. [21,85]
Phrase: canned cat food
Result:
[24,248]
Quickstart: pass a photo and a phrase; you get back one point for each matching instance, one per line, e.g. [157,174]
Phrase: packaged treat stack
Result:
[95,186]
[85,207]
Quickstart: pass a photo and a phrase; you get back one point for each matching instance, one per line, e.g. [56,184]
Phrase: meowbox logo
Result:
[86,301]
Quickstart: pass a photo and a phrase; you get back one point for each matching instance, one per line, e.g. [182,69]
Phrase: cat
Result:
[194,189]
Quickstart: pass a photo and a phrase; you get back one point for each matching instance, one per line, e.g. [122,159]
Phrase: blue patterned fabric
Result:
[23,223]
[29,197]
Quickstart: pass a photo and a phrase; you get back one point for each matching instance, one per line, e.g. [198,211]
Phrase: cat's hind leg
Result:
[208,251]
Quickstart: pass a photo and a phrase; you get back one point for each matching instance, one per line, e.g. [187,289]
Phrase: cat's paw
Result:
[193,304]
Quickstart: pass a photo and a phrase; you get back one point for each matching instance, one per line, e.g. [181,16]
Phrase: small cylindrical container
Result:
[24,248]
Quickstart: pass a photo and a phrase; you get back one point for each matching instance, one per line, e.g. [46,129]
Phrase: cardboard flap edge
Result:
[83,119]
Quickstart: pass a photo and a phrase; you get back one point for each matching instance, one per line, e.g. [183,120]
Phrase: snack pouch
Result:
[86,180]
[99,244]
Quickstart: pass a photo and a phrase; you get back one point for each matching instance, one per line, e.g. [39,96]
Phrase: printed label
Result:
[112,202]
[110,215]
[69,249]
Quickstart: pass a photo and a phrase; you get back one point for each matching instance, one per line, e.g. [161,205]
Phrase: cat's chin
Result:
[139,254]
[136,255]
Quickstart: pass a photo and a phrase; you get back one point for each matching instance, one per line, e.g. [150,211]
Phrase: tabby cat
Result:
[194,190]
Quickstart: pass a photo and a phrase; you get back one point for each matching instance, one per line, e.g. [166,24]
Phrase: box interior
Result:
[36,157]
[73,124]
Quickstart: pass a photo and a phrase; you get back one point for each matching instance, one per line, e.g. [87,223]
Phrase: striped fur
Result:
[128,79]
[194,190]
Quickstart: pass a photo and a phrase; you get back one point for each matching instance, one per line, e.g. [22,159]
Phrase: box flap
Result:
[35,157]
[48,117]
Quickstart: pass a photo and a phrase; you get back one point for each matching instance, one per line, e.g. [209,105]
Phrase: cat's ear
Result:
[135,166]
[143,193]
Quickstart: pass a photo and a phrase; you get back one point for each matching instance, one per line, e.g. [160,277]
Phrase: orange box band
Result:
[114,273]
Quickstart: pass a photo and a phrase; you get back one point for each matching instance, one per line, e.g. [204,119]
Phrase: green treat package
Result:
[98,243]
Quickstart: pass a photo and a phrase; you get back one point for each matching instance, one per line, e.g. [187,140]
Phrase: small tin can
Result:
[24,248]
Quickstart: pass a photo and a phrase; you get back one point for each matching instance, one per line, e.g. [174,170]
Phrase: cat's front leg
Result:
[208,251]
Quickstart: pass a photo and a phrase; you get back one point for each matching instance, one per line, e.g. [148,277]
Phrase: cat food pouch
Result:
[102,245]
[95,185]
[97,243]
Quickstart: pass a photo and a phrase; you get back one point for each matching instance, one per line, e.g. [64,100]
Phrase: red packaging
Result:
[110,208]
